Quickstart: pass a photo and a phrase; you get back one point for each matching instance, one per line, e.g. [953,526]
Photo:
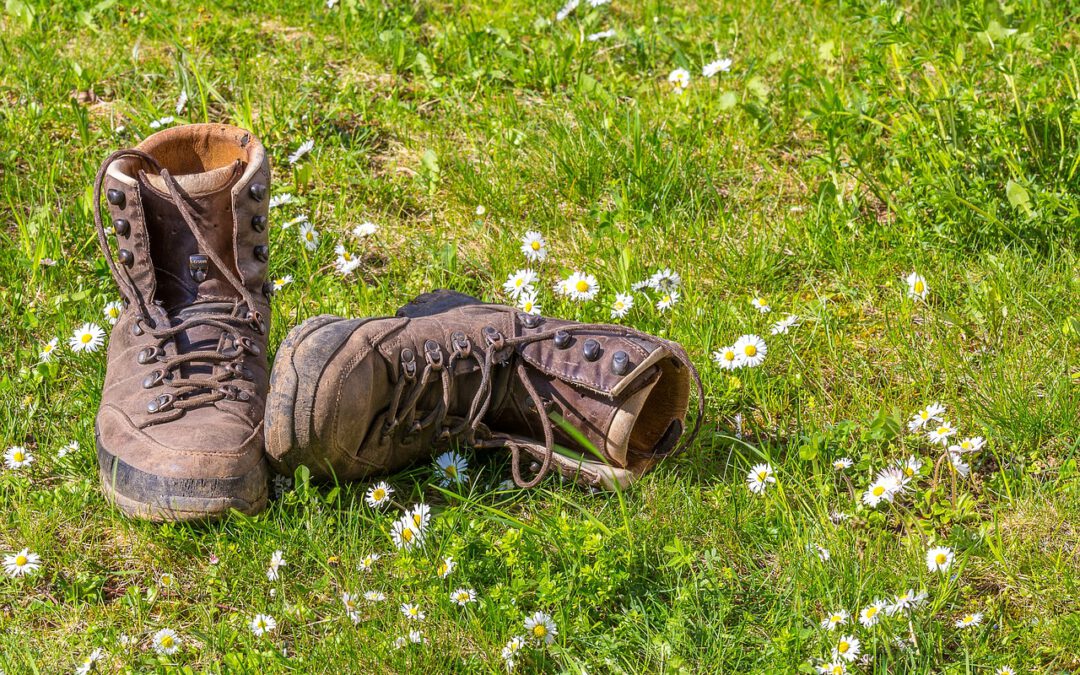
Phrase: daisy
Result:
[481,209]
[847,648]
[166,641]
[166,580]
[181,102]
[956,461]
[112,311]
[48,350]
[405,534]
[761,304]
[759,477]
[400,642]
[17,457]
[510,651]
[282,282]
[923,417]
[263,624]
[969,620]
[917,288]
[520,282]
[667,301]
[302,218]
[598,3]
[894,479]
[781,327]
[1005,670]
[602,35]
[446,567]
[624,302]
[581,287]
[277,561]
[910,467]
[22,563]
[529,304]
[419,514]
[834,668]
[351,603]
[567,9]
[939,558]
[451,468]
[367,562]
[842,463]
[533,246]
[718,66]
[162,122]
[837,618]
[68,449]
[364,230]
[90,661]
[973,444]
[412,612]
[941,433]
[909,599]
[87,338]
[871,614]
[281,200]
[309,236]
[378,496]
[416,637]
[304,149]
[541,628]
[822,553]
[665,281]
[346,262]
[680,79]
[463,596]
[727,358]
[375,596]
[750,351]
[877,492]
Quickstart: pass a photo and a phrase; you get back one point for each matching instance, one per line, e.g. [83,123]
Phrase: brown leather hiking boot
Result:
[179,431]
[355,397]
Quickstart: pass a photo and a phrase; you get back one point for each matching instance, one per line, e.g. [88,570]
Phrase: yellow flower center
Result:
[908,471]
[18,456]
[309,236]
[750,350]
[729,355]
[86,337]
[535,245]
[879,490]
[838,670]
[870,612]
[442,569]
[407,534]
[417,519]
[919,286]
[451,470]
[412,611]
[837,618]
[20,560]
[540,630]
[762,475]
[166,641]
[48,348]
[528,306]
[924,414]
[582,286]
[940,558]
[114,312]
[761,302]
[943,430]
[843,647]
[379,494]
[965,445]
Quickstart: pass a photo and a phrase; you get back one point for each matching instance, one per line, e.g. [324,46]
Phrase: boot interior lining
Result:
[668,400]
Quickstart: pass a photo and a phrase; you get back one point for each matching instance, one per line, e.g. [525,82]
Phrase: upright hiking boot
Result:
[351,398]
[179,431]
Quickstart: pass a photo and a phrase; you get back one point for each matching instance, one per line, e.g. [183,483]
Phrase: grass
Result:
[850,144]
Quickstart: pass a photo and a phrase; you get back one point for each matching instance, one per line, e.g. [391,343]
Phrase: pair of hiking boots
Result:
[181,432]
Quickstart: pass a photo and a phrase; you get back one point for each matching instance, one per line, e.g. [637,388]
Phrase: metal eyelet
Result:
[258,222]
[433,355]
[493,337]
[154,379]
[149,354]
[462,344]
[562,339]
[591,349]
[262,252]
[257,191]
[126,257]
[620,363]
[160,404]
[530,320]
[115,197]
[136,327]
[408,363]
[121,227]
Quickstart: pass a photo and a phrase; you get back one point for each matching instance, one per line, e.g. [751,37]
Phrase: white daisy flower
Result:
[16,457]
[166,581]
[871,614]
[602,35]
[567,9]
[533,246]
[406,534]
[750,351]
[822,553]
[640,286]
[910,467]
[375,596]
[22,563]
[87,338]
[162,122]
[836,619]
[541,628]
[282,282]
[879,491]
[463,596]
[419,515]
[277,561]
[302,218]
[446,567]
[520,282]
[624,302]
[281,200]
[581,287]
[378,495]
[717,66]
[761,304]
[680,79]
[68,449]
[48,350]
[923,417]
[304,149]
[939,559]
[781,327]
[894,480]
[1005,670]
[529,304]
[90,661]
[262,624]
[907,600]
[181,102]
[166,641]
[598,3]
[412,612]
[112,310]
[847,648]
[351,602]
[416,637]
[364,230]
[917,288]
[510,651]
[973,444]
[665,281]
[957,462]
[759,477]
[309,236]
[346,262]
[481,210]
[969,620]
[833,668]
[727,358]
[667,301]
[941,433]
[842,464]
[367,562]
[400,642]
